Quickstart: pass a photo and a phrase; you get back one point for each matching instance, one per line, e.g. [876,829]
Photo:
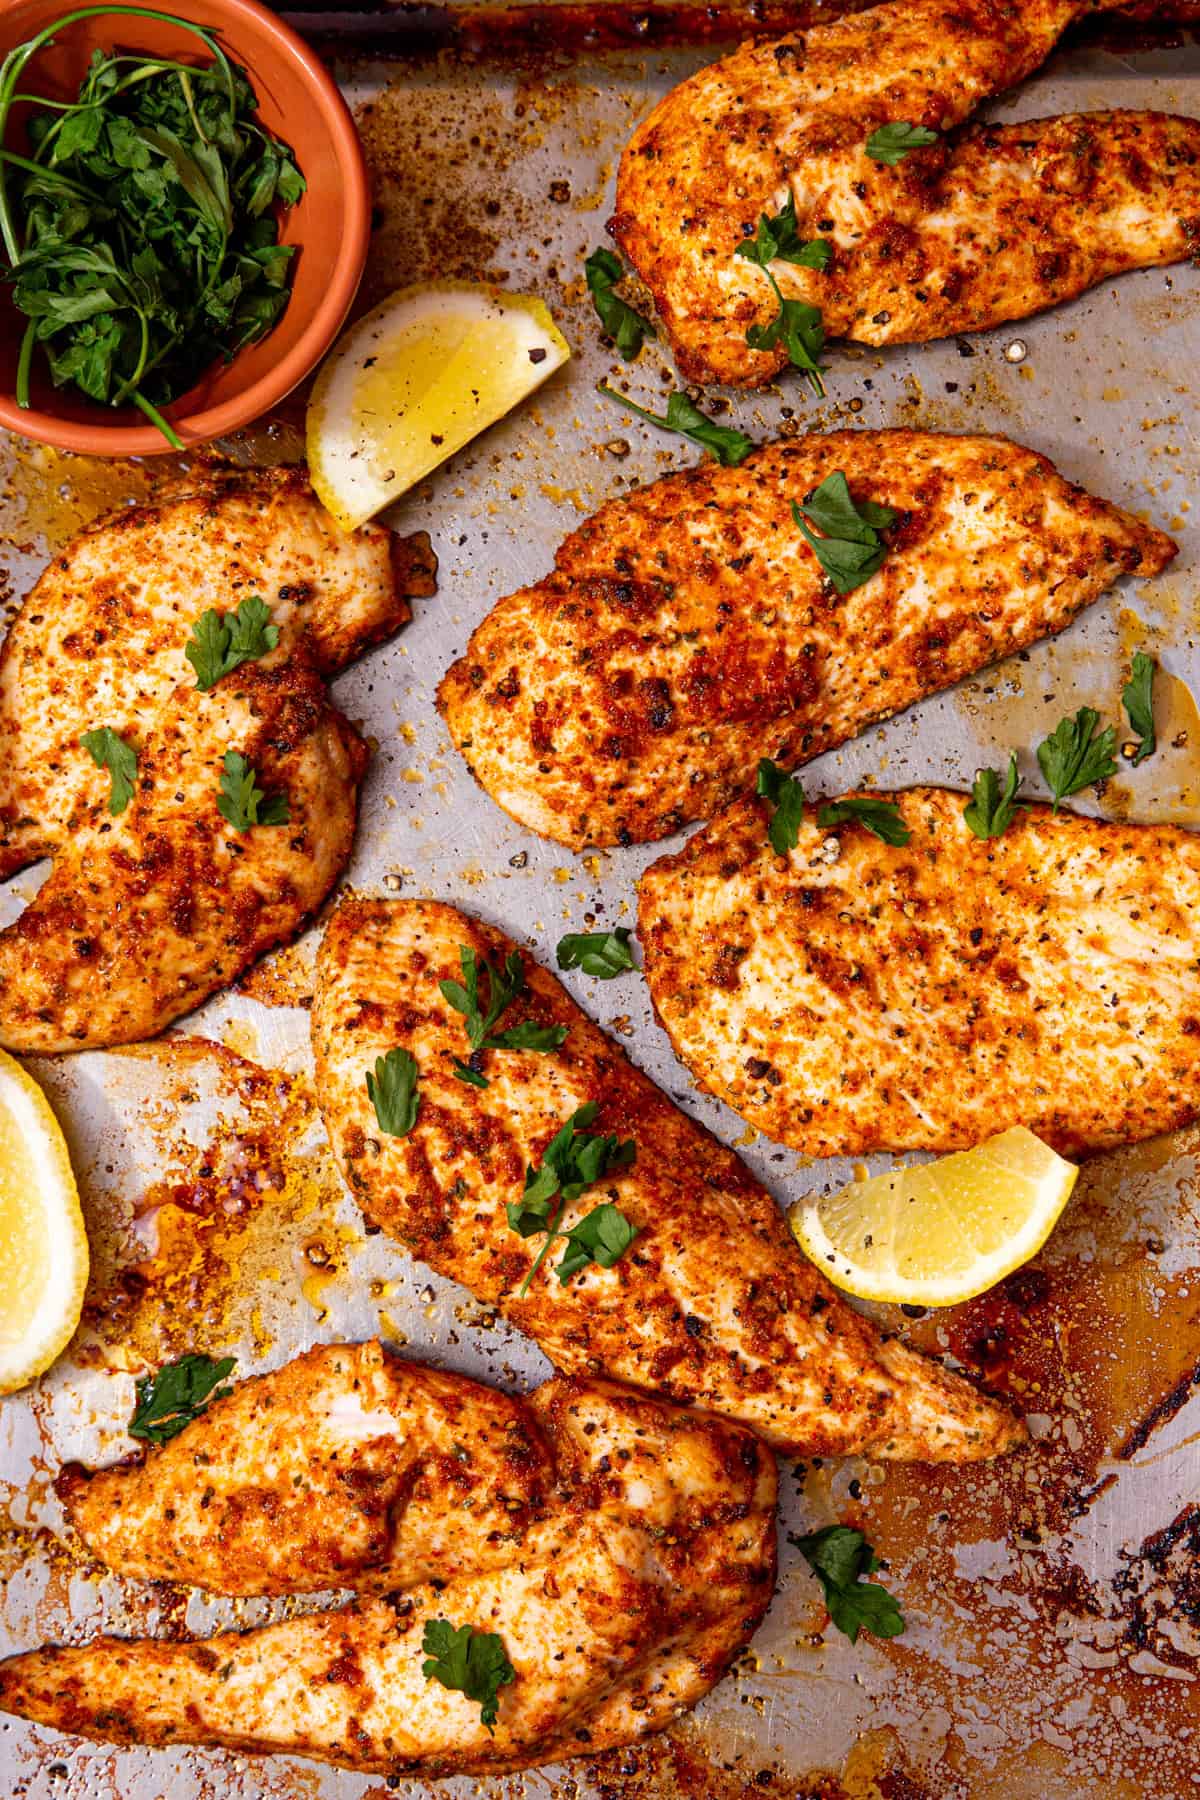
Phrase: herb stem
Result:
[552,1233]
[45,174]
[728,445]
[149,199]
[14,63]
[147,69]
[189,97]
[630,405]
[23,364]
[43,100]
[127,386]
[153,362]
[156,418]
[813,374]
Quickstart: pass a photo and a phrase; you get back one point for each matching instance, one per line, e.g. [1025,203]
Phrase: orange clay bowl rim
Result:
[322,327]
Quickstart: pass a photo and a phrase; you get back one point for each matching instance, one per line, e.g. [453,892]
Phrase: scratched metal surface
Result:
[1051,1645]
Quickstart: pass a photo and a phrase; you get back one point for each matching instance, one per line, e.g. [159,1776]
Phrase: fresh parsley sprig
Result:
[840,1558]
[139,230]
[729,446]
[242,802]
[785,798]
[470,1662]
[890,144]
[624,326]
[574,1159]
[603,954]
[800,328]
[797,324]
[993,806]
[504,983]
[462,1071]
[850,549]
[108,751]
[601,1236]
[1075,757]
[778,240]
[222,642]
[392,1089]
[1137,697]
[880,817]
[179,1393]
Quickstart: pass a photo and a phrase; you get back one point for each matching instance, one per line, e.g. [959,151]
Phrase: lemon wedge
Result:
[937,1234]
[414,381]
[43,1244]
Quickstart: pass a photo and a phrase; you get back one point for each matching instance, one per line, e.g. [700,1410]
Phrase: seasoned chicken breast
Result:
[345,1468]
[148,911]
[100,639]
[924,997]
[144,916]
[981,225]
[620,1597]
[712,1305]
[688,630]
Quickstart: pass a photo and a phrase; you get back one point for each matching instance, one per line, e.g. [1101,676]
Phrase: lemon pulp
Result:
[938,1233]
[24,1253]
[43,1244]
[414,381]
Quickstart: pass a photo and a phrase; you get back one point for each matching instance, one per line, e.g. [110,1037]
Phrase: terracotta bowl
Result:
[330,225]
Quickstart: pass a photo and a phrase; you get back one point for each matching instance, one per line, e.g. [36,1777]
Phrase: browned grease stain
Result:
[450,204]
[47,497]
[1166,787]
[442,207]
[21,1543]
[62,1562]
[1049,1678]
[673,1766]
[570,27]
[443,162]
[879,1769]
[1019,701]
[246,1213]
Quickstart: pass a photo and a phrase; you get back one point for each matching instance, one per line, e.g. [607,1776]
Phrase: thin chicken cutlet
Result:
[616,1552]
[711,1304]
[963,229]
[689,628]
[171,877]
[923,996]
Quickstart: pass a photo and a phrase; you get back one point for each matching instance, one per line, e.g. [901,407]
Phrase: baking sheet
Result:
[1053,1601]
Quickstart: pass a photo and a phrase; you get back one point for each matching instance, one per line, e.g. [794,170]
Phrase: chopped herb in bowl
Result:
[139,221]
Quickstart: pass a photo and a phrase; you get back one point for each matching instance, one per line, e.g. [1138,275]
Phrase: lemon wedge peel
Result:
[43,1242]
[941,1232]
[414,381]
